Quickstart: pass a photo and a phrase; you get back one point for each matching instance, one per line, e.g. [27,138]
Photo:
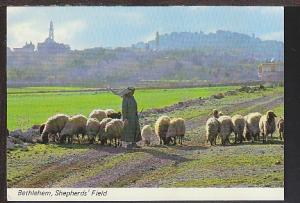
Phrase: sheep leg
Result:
[280,136]
[235,138]
[227,141]
[115,139]
[252,137]
[174,141]
[102,141]
[78,140]
[241,139]
[264,137]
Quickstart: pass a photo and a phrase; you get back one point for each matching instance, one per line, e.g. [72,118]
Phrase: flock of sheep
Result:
[248,127]
[106,125]
[102,124]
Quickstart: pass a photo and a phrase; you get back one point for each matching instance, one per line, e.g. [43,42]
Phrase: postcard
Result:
[145,103]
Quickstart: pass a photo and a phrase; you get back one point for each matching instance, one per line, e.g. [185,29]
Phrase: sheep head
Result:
[41,128]
[45,138]
[215,113]
[271,115]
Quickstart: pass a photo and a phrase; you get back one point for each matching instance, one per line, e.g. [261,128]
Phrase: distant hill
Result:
[221,40]
[217,57]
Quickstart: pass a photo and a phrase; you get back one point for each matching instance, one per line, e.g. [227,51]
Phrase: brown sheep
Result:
[267,125]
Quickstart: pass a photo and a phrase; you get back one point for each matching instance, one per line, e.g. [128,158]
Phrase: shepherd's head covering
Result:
[123,92]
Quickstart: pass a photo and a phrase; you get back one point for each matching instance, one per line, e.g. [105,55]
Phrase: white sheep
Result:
[238,127]
[148,136]
[226,128]
[267,125]
[54,125]
[251,130]
[98,114]
[280,126]
[176,129]
[212,129]
[114,130]
[161,128]
[92,129]
[101,136]
[76,125]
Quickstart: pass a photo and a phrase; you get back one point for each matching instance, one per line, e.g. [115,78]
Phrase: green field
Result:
[24,110]
[13,90]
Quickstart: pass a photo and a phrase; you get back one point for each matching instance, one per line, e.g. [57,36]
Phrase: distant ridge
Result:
[218,40]
[222,56]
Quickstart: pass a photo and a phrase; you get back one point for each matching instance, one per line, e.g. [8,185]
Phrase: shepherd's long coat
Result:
[132,130]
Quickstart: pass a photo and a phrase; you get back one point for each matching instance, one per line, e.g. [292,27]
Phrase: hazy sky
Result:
[86,27]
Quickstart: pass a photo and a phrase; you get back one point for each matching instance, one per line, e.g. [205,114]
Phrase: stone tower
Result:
[51,31]
[157,40]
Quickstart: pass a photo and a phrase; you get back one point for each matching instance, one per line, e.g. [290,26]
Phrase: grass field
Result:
[24,110]
[15,90]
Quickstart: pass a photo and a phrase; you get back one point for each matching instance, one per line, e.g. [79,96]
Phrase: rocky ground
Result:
[191,165]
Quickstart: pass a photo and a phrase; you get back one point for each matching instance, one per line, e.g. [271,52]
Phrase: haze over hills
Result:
[219,40]
[217,57]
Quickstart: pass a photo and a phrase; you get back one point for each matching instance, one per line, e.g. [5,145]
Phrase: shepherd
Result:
[132,131]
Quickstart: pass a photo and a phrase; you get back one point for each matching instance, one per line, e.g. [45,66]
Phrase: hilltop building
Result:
[157,40]
[27,48]
[49,46]
[271,71]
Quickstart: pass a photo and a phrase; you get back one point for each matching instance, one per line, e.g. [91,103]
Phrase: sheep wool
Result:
[148,136]
[212,129]
[161,128]
[98,114]
[280,126]
[102,129]
[76,125]
[54,125]
[92,128]
[238,127]
[226,128]
[251,130]
[267,124]
[176,129]
[114,129]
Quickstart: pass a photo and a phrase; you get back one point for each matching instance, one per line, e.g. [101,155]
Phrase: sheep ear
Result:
[274,115]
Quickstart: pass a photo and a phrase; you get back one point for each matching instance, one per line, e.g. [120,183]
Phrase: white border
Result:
[143,194]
